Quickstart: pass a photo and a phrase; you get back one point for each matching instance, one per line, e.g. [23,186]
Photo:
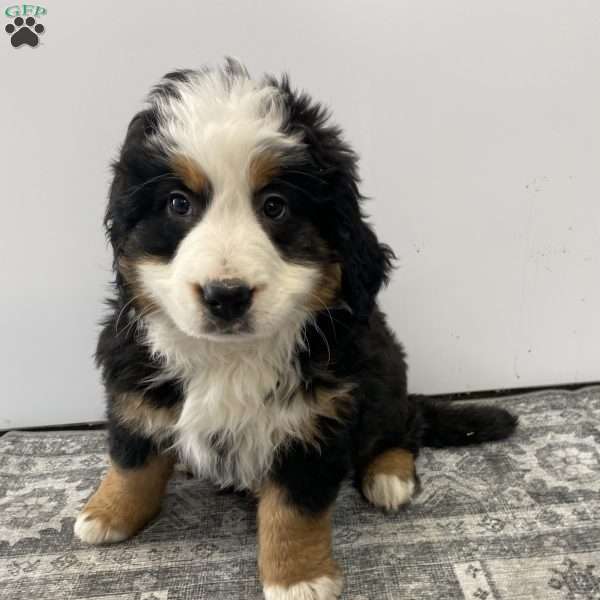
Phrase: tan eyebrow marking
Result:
[262,168]
[190,172]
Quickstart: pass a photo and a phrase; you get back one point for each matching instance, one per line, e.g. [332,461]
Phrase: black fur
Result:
[139,192]
[127,365]
[366,262]
[451,425]
[312,476]
[348,343]
[128,450]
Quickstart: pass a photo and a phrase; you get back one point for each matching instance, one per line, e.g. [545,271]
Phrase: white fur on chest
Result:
[242,402]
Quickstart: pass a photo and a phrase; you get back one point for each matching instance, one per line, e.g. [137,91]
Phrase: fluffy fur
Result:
[223,179]
[232,442]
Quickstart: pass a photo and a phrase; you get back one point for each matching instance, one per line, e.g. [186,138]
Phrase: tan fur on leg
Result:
[125,501]
[295,560]
[389,481]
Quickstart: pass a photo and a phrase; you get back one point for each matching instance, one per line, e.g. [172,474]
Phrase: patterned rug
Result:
[512,520]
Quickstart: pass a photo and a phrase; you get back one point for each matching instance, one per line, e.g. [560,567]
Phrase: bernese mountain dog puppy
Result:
[244,337]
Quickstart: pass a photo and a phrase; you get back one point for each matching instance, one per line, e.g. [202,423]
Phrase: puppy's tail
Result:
[448,425]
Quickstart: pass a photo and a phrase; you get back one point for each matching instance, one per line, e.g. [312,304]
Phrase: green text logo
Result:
[25,10]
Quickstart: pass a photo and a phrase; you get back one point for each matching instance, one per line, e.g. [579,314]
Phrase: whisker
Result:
[324,338]
[134,322]
[123,310]
[305,174]
[325,308]
[296,187]
[135,189]
[331,317]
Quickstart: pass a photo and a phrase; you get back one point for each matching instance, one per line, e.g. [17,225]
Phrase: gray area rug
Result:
[512,520]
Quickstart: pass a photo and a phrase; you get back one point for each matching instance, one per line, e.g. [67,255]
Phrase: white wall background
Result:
[479,127]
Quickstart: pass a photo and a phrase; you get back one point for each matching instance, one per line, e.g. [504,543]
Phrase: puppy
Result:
[244,336]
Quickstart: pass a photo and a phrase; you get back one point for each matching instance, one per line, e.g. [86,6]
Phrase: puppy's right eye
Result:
[179,204]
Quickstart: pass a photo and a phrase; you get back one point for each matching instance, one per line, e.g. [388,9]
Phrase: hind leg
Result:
[389,480]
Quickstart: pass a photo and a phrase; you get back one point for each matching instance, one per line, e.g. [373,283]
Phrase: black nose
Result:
[227,299]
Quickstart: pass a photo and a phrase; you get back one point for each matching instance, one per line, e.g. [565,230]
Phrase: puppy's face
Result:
[234,210]
[218,226]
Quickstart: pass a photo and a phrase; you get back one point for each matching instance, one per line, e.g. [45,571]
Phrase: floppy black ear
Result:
[133,166]
[365,262]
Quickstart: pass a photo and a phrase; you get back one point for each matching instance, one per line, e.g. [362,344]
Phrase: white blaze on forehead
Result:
[221,121]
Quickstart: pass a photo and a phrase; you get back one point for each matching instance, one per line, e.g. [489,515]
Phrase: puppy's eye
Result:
[179,204]
[274,207]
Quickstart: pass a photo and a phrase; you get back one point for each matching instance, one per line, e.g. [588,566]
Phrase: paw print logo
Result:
[24,31]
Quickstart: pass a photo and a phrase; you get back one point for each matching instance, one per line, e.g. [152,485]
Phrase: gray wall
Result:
[479,128]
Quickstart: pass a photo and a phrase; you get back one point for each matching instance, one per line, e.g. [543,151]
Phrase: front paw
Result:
[97,527]
[125,501]
[322,588]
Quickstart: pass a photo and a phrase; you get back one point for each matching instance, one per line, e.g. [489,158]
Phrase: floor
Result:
[518,519]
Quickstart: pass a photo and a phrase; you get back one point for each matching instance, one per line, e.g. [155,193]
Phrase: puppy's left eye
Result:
[179,204]
[274,207]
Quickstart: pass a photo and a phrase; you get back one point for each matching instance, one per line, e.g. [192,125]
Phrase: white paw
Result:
[323,588]
[96,529]
[389,491]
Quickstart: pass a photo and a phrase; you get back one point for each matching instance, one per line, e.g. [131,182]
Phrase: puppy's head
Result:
[234,209]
